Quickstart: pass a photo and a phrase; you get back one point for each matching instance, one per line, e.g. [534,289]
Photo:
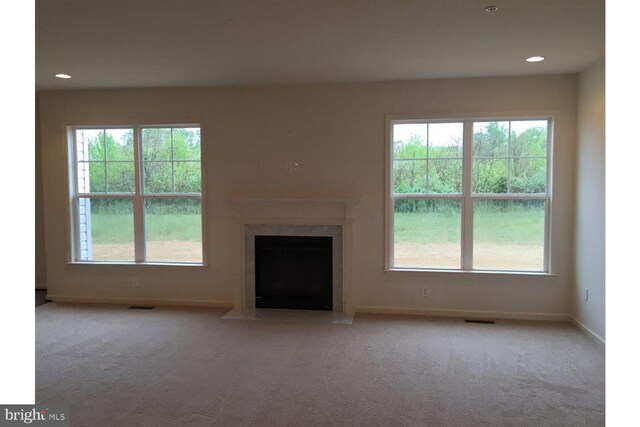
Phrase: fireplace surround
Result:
[296,216]
[334,232]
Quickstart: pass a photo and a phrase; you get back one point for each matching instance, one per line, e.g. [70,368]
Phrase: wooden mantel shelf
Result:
[259,210]
[330,200]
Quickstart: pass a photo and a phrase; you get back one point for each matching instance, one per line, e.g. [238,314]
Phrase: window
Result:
[469,194]
[137,194]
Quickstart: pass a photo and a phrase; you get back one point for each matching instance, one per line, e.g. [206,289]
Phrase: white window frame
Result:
[138,197]
[467,197]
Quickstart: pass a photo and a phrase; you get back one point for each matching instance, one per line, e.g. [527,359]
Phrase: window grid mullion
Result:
[418,196]
[138,201]
[102,161]
[173,173]
[548,191]
[104,152]
[428,189]
[75,223]
[504,158]
[467,203]
[395,160]
[509,160]
[547,221]
[172,196]
[509,196]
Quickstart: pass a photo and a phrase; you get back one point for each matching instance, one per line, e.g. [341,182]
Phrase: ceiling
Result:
[142,43]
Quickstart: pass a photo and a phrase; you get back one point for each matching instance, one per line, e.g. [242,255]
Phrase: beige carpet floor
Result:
[173,367]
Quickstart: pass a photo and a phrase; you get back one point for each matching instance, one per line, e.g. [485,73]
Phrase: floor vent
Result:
[141,307]
[487,322]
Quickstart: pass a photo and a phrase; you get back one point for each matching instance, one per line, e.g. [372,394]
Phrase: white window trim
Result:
[466,196]
[138,198]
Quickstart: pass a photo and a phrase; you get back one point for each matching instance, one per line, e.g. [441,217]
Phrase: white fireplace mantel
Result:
[294,210]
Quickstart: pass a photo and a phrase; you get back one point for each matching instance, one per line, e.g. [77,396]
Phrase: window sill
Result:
[125,263]
[481,272]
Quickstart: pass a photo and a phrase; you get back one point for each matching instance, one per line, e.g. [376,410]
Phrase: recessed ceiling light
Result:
[63,76]
[535,59]
[491,9]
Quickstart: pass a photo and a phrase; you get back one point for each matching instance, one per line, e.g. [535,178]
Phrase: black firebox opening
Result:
[294,272]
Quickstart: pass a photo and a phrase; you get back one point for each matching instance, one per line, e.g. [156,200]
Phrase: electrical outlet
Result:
[425,291]
[586,294]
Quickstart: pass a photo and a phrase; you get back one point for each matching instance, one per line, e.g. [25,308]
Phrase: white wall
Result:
[336,133]
[590,201]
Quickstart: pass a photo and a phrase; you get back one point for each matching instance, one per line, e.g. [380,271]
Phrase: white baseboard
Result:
[474,314]
[588,331]
[140,301]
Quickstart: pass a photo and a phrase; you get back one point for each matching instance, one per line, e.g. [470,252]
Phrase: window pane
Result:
[508,235]
[82,175]
[445,176]
[173,230]
[410,176]
[445,140]
[187,177]
[528,175]
[186,144]
[410,141]
[489,176]
[157,177]
[121,177]
[514,163]
[427,233]
[80,151]
[90,144]
[105,229]
[490,139]
[119,144]
[93,175]
[156,144]
[529,138]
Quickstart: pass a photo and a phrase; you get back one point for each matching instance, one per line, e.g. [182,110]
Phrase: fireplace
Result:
[293,266]
[294,272]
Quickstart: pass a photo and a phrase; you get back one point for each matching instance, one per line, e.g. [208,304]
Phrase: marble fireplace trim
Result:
[252,230]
